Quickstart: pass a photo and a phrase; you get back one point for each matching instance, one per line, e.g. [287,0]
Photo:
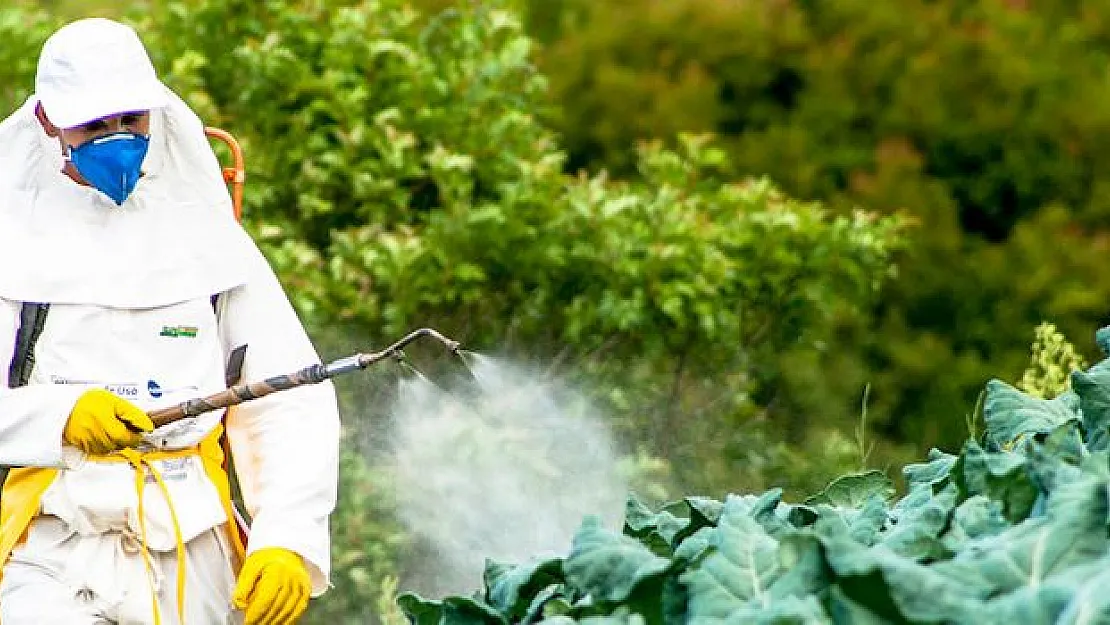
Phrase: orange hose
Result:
[236,175]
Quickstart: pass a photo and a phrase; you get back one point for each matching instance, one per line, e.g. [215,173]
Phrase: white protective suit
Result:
[130,290]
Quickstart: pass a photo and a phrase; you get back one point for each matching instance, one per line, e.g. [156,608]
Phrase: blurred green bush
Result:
[401,176]
[987,121]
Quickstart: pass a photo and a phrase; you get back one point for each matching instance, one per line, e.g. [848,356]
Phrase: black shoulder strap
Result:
[233,368]
[233,372]
[32,318]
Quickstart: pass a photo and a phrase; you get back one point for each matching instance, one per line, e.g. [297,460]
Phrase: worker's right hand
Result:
[102,422]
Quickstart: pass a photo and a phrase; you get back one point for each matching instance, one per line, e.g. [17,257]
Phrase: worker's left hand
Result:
[273,587]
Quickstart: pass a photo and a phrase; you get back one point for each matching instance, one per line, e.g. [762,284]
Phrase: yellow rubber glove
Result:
[273,587]
[102,422]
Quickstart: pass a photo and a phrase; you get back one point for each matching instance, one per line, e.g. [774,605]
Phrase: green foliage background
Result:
[985,120]
[695,210]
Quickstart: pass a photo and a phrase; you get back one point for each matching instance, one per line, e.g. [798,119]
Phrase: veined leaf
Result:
[656,530]
[789,611]
[1036,606]
[862,524]
[935,472]
[511,589]
[609,566]
[1014,531]
[741,568]
[898,589]
[1093,389]
[1072,532]
[664,531]
[420,611]
[843,609]
[1058,458]
[1009,413]
[707,510]
[918,520]
[772,514]
[854,490]
[450,611]
[549,602]
[1088,600]
[1073,596]
[1003,476]
[977,517]
[693,547]
[805,571]
[619,617]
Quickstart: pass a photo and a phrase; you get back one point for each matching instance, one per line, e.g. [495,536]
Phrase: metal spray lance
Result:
[313,374]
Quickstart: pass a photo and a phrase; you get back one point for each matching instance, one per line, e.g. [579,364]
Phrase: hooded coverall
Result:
[132,311]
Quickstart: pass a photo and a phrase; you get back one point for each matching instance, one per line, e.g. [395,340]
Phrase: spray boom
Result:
[313,374]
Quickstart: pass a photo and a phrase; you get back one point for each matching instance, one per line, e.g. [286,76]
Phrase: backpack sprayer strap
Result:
[32,318]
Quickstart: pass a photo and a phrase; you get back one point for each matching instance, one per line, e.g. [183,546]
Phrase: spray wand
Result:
[313,374]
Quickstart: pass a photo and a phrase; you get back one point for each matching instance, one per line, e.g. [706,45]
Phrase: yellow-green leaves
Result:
[1052,361]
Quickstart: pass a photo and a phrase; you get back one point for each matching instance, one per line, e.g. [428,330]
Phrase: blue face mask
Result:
[112,163]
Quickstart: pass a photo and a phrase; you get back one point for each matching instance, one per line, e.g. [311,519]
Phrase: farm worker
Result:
[127,285]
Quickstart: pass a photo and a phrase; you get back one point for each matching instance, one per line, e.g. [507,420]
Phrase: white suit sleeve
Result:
[285,445]
[32,417]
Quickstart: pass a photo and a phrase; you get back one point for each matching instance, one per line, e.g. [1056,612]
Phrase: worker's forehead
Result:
[122,114]
[113,116]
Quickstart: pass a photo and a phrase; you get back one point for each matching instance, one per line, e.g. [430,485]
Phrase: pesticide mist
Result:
[505,472]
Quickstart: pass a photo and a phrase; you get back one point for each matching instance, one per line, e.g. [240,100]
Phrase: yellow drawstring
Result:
[140,463]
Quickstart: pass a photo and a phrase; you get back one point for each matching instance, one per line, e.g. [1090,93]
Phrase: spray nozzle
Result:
[394,350]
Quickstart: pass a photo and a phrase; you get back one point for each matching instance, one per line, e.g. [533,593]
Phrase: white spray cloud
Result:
[506,473]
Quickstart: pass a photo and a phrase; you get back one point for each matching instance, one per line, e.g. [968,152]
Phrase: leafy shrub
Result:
[21,35]
[401,175]
[986,121]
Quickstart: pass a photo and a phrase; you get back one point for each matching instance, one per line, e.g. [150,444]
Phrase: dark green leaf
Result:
[850,491]
[917,521]
[609,566]
[512,589]
[741,568]
[935,472]
[789,611]
[862,524]
[1072,532]
[805,571]
[658,531]
[977,517]
[1002,476]
[1093,389]
[1009,413]
[899,589]
[548,602]
[420,611]
[450,611]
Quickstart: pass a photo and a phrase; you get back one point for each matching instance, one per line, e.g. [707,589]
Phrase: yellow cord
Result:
[140,463]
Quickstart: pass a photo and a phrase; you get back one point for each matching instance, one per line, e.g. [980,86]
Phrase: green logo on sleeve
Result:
[189,332]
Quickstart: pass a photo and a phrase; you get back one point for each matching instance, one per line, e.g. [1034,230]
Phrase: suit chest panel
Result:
[147,355]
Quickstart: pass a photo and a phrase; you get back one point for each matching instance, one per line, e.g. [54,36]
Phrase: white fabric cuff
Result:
[34,418]
[305,537]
